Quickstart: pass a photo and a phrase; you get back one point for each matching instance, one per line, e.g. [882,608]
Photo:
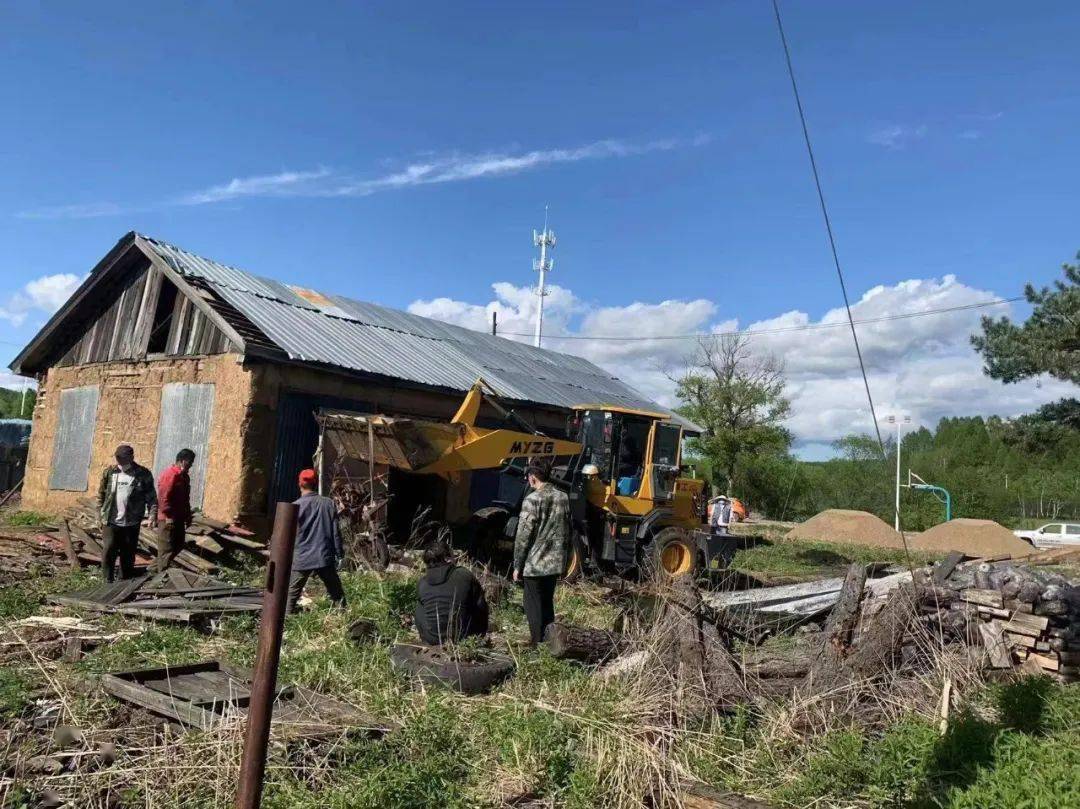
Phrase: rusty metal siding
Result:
[187,411]
[74,439]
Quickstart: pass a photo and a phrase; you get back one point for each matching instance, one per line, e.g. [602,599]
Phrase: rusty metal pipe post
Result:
[264,682]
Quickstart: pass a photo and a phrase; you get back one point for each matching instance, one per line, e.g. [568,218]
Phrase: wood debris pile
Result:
[210,543]
[174,595]
[853,636]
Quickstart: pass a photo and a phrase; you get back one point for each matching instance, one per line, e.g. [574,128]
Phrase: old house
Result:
[163,349]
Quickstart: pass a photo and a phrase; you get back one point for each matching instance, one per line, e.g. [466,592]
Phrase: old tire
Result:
[670,553]
[432,665]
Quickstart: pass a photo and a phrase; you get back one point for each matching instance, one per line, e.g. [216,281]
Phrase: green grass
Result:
[800,559]
[28,519]
[543,732]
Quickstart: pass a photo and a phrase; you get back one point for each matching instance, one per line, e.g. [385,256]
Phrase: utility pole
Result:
[543,265]
[494,323]
[898,420]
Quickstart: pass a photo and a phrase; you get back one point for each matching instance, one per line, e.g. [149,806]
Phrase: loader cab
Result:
[636,452]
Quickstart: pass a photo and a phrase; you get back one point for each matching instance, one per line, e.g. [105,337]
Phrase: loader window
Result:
[632,442]
[666,445]
[595,436]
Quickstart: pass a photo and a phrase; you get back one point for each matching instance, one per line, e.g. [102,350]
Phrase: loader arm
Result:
[443,448]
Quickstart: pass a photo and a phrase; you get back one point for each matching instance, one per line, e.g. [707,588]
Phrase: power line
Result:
[779,329]
[836,263]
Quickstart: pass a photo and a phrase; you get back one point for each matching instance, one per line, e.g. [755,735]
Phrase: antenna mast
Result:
[543,265]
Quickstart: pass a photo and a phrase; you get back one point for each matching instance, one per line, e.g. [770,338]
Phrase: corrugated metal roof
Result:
[359,336]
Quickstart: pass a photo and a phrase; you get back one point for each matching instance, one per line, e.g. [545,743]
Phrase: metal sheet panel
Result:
[359,336]
[187,412]
[74,439]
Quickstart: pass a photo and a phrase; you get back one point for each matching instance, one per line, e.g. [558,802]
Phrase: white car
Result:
[1052,535]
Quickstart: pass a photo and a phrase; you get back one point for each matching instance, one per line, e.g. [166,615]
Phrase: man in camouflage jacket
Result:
[541,547]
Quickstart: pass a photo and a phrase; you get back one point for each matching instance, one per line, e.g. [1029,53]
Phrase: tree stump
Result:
[581,643]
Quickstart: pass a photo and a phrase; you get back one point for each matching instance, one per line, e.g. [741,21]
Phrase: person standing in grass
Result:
[126,495]
[541,547]
[174,508]
[318,543]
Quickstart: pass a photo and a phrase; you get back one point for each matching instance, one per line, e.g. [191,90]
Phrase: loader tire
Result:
[670,553]
[579,556]
[434,665]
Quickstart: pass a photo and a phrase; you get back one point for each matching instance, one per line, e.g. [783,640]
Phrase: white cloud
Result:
[897,136]
[922,366]
[433,169]
[88,210]
[44,294]
[285,183]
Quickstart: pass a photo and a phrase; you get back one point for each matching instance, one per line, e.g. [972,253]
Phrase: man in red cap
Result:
[318,543]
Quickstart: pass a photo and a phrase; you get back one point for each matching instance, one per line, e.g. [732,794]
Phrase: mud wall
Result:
[128,411]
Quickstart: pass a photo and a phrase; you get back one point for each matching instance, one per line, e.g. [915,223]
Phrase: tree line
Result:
[1008,470]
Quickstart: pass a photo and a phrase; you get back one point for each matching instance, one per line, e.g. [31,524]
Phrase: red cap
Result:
[308,477]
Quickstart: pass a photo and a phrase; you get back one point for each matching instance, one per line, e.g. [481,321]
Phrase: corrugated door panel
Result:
[186,414]
[298,438]
[74,439]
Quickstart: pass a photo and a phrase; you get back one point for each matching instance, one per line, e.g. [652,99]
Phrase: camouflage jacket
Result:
[542,544]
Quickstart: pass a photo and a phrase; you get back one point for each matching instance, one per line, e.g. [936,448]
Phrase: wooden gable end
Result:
[143,315]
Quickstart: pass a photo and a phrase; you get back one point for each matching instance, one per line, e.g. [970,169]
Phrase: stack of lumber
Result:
[1021,614]
[210,543]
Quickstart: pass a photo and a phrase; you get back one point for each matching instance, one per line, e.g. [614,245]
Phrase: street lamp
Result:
[898,421]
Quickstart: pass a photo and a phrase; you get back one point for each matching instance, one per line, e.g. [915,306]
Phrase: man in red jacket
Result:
[174,508]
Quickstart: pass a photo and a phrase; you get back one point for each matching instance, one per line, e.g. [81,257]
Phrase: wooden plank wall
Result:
[122,330]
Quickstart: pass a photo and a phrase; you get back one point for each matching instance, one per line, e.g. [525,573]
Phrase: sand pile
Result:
[847,527]
[973,537]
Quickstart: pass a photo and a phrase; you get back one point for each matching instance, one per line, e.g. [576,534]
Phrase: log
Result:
[879,641]
[580,643]
[767,664]
[836,636]
[697,795]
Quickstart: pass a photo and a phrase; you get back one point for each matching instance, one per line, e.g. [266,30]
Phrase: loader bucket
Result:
[405,444]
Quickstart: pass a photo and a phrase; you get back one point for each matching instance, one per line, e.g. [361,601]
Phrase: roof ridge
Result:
[314,308]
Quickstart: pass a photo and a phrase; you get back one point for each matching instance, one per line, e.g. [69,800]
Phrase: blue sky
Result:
[403,152]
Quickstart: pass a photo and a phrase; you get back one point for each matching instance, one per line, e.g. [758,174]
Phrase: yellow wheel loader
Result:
[630,507]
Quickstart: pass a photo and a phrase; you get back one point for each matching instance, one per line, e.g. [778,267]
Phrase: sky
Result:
[403,152]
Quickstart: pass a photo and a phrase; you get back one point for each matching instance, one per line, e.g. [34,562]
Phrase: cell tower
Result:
[543,265]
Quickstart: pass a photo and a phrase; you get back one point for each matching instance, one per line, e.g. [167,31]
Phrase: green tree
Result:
[738,397]
[1048,342]
[11,404]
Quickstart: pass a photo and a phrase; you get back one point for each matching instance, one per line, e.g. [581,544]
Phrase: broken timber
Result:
[204,695]
[174,595]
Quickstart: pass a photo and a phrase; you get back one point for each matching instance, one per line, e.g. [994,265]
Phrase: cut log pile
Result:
[1022,615]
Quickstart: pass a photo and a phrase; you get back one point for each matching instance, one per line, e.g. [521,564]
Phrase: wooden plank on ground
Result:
[69,548]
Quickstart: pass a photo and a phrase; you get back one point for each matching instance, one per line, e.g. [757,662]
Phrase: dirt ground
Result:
[973,537]
[848,527]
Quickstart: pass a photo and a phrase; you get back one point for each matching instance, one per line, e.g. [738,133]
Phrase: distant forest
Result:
[1009,470]
[11,404]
